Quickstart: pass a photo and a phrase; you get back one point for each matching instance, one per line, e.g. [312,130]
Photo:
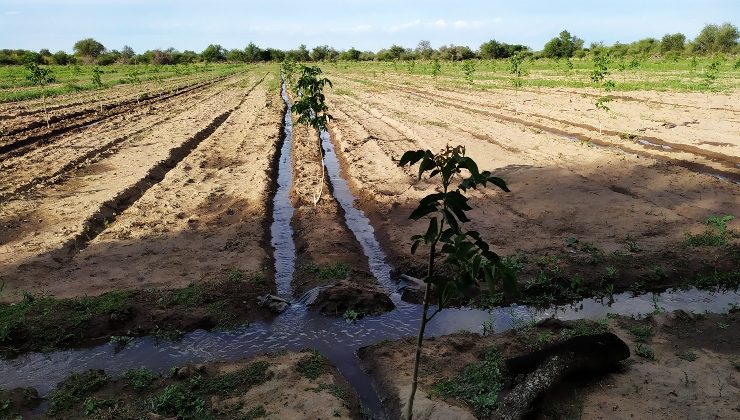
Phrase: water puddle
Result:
[298,329]
[653,145]
[282,233]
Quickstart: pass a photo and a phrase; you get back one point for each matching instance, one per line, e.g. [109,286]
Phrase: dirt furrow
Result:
[206,220]
[560,188]
[46,164]
[38,132]
[42,229]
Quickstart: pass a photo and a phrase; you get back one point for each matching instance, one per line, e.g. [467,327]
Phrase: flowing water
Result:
[299,328]
[282,213]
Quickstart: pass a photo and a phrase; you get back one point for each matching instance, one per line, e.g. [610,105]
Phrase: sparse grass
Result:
[641,333]
[644,351]
[716,233]
[478,385]
[75,389]
[335,271]
[140,379]
[687,356]
[334,390]
[243,379]
[312,365]
[583,327]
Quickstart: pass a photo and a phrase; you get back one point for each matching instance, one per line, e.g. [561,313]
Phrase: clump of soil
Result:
[286,385]
[347,295]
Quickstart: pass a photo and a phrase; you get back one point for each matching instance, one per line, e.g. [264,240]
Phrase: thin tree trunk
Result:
[46,113]
[420,338]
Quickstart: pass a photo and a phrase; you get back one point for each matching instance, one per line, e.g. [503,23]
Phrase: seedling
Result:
[468,257]
[40,76]
[709,78]
[516,69]
[644,351]
[312,109]
[351,316]
[601,70]
[468,68]
[436,68]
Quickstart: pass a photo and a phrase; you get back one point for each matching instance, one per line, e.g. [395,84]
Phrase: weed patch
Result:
[478,385]
[312,365]
[76,388]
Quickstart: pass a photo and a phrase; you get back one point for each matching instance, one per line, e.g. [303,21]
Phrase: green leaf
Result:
[499,183]
[414,246]
[422,211]
[432,231]
[426,164]
[411,157]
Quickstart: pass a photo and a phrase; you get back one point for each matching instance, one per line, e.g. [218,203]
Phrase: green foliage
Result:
[75,388]
[311,104]
[288,68]
[88,48]
[563,46]
[517,70]
[468,69]
[478,385]
[644,351]
[182,400]
[96,81]
[437,68]
[227,384]
[641,333]
[335,271]
[140,379]
[312,365]
[351,316]
[716,234]
[465,252]
[687,356]
[94,405]
[39,76]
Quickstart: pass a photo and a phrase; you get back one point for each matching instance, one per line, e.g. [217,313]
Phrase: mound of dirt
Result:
[346,295]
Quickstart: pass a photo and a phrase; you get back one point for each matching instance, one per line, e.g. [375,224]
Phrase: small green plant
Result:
[312,365]
[468,69]
[644,351]
[709,78]
[351,316]
[40,76]
[466,255]
[236,275]
[687,356]
[632,244]
[436,68]
[601,70]
[96,80]
[76,388]
[478,385]
[93,405]
[716,234]
[335,271]
[120,341]
[611,272]
[140,379]
[641,332]
[516,68]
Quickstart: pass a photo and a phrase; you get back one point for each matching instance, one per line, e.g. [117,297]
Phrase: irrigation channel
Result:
[300,328]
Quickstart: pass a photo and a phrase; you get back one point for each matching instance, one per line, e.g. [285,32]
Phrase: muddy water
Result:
[299,328]
[337,340]
[281,231]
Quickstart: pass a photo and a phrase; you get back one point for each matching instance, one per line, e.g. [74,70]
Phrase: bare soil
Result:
[181,198]
[628,205]
[668,386]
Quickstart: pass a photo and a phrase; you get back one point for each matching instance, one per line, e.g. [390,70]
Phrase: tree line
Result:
[713,39]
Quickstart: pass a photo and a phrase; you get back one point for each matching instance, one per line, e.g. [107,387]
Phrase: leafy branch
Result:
[40,76]
[312,109]
[467,257]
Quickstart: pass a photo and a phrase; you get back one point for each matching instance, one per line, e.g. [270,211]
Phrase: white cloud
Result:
[440,24]
[12,13]
[404,26]
[362,28]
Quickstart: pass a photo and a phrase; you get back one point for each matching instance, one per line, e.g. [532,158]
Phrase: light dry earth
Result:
[560,188]
[205,206]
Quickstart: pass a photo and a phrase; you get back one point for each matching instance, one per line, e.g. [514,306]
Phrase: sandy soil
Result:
[202,212]
[560,188]
[666,387]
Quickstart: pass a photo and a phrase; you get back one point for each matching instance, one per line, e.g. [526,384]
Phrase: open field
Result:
[145,209]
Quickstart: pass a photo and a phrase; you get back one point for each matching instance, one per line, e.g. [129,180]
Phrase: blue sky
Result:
[363,24]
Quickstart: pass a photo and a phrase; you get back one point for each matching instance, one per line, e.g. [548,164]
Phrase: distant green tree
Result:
[61,58]
[493,50]
[424,50]
[88,49]
[716,39]
[672,42]
[563,46]
[252,53]
[213,53]
[351,54]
